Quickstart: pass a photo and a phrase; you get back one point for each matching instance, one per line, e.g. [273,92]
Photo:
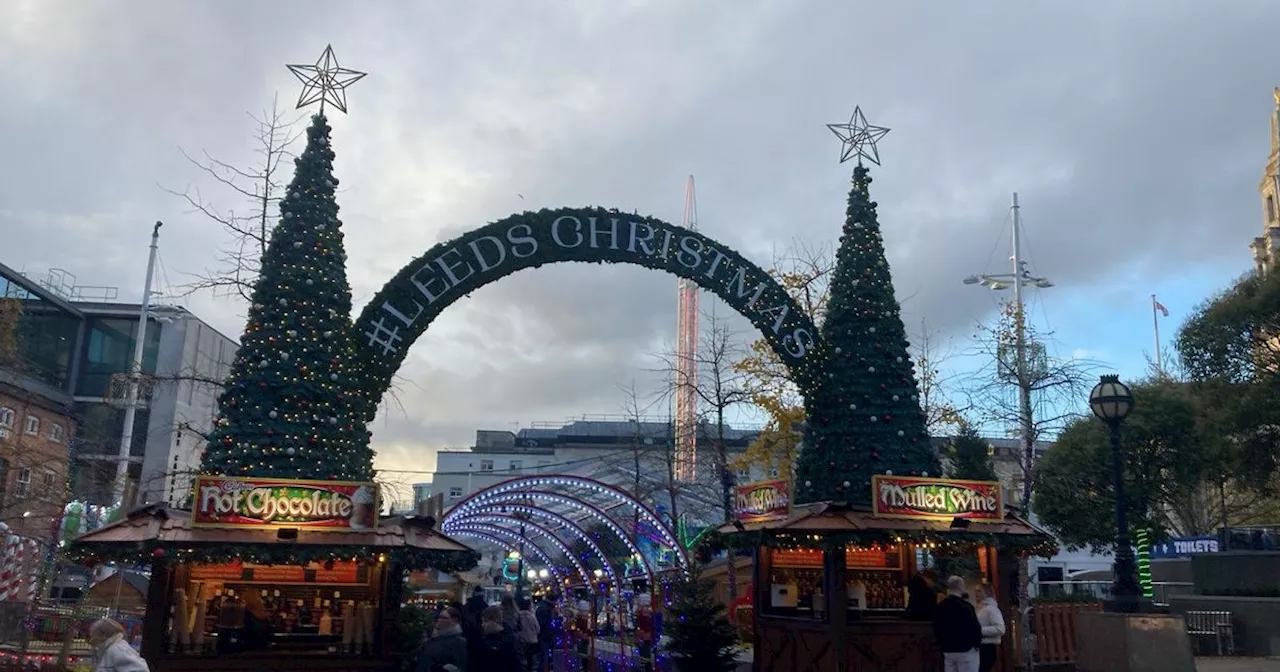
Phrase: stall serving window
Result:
[874,579]
[240,608]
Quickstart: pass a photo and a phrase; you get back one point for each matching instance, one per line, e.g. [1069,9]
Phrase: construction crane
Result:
[686,373]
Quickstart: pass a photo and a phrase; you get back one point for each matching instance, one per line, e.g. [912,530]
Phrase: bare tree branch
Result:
[246,235]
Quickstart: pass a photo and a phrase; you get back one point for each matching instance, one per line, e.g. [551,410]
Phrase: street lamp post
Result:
[1111,400]
[1020,277]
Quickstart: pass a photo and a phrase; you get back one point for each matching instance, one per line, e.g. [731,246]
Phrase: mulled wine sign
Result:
[761,501]
[936,498]
[338,506]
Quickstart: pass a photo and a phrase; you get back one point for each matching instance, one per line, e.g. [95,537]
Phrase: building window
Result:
[55,433]
[50,478]
[33,425]
[517,465]
[6,416]
[455,492]
[24,482]
[743,475]
[486,465]
[1271,208]
[773,473]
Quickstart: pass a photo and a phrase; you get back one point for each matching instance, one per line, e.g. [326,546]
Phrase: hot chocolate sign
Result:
[337,506]
[936,498]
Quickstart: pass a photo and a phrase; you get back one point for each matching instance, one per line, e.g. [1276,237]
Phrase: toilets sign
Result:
[1184,546]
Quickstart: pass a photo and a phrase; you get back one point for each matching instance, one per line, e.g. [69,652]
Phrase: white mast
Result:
[135,372]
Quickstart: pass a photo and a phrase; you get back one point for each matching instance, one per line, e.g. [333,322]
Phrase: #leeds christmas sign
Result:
[936,498]
[758,502]
[280,502]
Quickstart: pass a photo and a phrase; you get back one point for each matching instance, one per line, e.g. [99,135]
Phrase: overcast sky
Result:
[1135,133]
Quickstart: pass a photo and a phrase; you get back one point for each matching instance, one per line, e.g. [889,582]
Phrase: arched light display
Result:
[493,525]
[559,482]
[512,500]
[477,534]
[513,543]
[555,518]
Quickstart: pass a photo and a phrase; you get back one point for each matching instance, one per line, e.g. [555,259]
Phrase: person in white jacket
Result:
[992,622]
[111,652]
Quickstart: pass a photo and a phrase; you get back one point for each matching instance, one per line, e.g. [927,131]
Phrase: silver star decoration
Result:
[858,138]
[325,82]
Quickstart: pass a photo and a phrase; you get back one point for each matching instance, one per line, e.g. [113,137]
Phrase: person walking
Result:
[956,625]
[110,652]
[546,632]
[527,636]
[992,622]
[446,649]
[497,652]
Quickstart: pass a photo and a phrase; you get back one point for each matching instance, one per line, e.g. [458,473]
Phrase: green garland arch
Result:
[407,305]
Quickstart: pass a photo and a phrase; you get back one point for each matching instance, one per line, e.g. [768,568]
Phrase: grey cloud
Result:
[1135,133]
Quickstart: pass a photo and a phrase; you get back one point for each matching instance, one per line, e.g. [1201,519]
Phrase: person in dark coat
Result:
[959,633]
[922,598]
[446,649]
[471,614]
[498,650]
[546,614]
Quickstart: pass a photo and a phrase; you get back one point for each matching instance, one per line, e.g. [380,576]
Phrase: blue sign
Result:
[1182,547]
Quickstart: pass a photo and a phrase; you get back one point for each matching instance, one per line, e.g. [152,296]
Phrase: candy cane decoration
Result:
[19,557]
[33,573]
[9,570]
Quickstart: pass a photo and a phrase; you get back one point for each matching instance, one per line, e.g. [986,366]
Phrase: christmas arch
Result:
[406,306]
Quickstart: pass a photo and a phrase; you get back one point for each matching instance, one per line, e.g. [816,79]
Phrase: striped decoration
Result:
[33,572]
[10,570]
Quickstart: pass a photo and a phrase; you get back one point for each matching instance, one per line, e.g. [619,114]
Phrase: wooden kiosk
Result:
[304,591]
[831,579]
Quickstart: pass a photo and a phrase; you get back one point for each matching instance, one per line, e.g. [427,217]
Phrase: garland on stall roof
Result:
[1025,545]
[271,554]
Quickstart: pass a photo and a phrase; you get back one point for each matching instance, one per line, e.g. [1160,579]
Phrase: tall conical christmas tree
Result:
[866,419]
[289,407]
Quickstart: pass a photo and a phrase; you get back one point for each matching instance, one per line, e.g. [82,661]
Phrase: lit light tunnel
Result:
[557,506]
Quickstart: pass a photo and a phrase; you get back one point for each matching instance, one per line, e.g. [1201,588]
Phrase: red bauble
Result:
[158,553]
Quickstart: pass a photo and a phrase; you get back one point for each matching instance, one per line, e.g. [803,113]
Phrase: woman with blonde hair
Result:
[992,622]
[110,652]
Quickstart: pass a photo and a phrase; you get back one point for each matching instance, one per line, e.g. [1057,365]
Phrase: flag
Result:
[1160,307]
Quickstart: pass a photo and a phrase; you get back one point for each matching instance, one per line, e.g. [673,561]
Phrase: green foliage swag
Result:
[408,304]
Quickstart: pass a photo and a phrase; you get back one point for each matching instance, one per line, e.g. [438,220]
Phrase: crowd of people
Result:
[514,636]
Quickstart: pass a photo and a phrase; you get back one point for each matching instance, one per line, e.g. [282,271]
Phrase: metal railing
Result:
[1101,590]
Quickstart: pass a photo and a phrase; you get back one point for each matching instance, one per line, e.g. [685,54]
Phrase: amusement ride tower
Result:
[686,392]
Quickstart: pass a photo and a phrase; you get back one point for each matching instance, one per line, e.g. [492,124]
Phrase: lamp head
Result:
[1111,400]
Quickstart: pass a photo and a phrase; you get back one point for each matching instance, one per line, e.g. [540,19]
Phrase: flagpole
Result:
[1155,323]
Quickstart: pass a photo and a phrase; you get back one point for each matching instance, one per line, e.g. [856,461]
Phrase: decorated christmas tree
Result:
[289,407]
[866,419]
[699,636]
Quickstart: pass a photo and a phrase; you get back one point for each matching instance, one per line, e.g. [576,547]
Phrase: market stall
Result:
[833,581]
[233,588]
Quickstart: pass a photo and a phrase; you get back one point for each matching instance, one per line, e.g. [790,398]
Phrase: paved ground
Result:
[1237,664]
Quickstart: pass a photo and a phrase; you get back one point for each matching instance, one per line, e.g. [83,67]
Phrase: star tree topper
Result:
[325,82]
[858,138]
